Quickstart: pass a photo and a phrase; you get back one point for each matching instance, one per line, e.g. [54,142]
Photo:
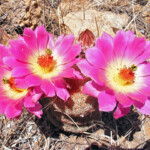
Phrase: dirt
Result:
[29,132]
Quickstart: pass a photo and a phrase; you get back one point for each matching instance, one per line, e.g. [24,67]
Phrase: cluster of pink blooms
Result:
[35,66]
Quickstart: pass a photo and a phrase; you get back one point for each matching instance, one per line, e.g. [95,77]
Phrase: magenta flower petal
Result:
[65,44]
[12,62]
[51,41]
[96,57]
[98,75]
[138,97]
[106,36]
[3,105]
[72,53]
[31,99]
[58,41]
[70,73]
[136,48]
[92,89]
[30,38]
[107,101]
[124,100]
[28,101]
[106,47]
[36,97]
[121,111]
[145,91]
[21,83]
[120,43]
[62,93]
[145,55]
[36,110]
[147,81]
[78,75]
[42,37]
[19,50]
[33,80]
[130,37]
[48,88]
[13,110]
[146,70]
[3,52]
[72,63]
[20,71]
[85,67]
[61,90]
[143,108]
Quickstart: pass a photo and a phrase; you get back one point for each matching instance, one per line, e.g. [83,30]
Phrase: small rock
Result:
[27,16]
[22,15]
[147,129]
[137,8]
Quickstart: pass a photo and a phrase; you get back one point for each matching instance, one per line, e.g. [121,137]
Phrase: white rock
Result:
[106,21]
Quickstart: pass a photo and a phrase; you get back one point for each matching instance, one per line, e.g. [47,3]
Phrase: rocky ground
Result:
[74,16]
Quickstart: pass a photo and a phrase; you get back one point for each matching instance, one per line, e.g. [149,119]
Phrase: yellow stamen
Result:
[126,76]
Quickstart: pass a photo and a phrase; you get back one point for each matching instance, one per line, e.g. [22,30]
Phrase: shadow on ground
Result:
[95,146]
[123,125]
[107,123]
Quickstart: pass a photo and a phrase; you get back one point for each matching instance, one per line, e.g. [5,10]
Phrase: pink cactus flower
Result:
[12,97]
[120,71]
[40,61]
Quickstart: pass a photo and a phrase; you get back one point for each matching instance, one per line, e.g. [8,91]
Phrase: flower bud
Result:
[87,39]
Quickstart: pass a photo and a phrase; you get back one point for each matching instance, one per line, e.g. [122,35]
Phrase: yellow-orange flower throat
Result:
[12,85]
[126,76]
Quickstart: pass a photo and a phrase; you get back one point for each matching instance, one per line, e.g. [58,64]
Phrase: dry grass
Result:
[29,132]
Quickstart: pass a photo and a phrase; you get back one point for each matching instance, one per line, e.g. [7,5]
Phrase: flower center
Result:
[126,76]
[46,62]
[11,83]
